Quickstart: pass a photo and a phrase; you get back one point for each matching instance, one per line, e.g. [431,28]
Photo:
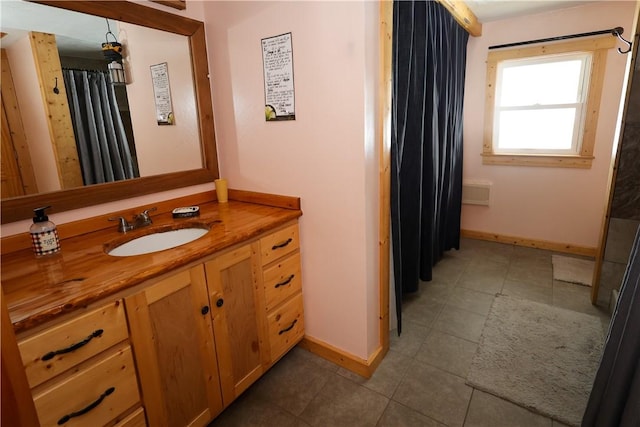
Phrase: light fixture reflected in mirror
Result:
[113,53]
[116,73]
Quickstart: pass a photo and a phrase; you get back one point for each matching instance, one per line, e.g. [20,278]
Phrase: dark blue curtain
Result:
[429,59]
[615,396]
[101,140]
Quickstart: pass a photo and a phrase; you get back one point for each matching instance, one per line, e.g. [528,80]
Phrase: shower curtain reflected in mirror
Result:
[103,147]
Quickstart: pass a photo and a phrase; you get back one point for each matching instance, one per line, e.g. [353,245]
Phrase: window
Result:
[542,103]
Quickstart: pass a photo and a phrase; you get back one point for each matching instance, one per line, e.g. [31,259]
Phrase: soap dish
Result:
[186,212]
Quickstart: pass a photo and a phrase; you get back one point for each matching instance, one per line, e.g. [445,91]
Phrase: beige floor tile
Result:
[575,297]
[486,410]
[292,383]
[485,277]
[460,323]
[344,403]
[470,300]
[435,393]
[250,410]
[531,275]
[386,378]
[409,342]
[449,353]
[449,269]
[397,415]
[535,293]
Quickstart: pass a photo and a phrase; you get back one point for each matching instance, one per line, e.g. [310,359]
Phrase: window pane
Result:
[536,129]
[543,84]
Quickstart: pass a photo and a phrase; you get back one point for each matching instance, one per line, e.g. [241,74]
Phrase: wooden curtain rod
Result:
[617,32]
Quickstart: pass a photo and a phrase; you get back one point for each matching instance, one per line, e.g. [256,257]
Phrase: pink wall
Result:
[166,148]
[27,86]
[553,204]
[326,156]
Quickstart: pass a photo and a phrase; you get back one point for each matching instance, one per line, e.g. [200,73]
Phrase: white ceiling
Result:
[493,10]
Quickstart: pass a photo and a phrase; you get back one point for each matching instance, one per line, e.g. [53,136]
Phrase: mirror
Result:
[22,207]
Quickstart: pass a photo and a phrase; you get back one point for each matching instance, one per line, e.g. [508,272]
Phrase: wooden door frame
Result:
[613,167]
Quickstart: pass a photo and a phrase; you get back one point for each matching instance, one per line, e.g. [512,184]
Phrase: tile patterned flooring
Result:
[421,381]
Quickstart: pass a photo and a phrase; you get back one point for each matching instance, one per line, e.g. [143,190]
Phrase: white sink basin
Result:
[158,241]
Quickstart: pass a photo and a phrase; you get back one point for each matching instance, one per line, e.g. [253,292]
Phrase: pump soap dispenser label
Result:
[46,242]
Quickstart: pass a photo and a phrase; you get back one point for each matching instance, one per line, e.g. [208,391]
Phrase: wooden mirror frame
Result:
[19,208]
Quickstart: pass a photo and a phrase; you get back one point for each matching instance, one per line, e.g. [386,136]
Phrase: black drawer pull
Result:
[285,282]
[289,328]
[73,347]
[66,418]
[282,245]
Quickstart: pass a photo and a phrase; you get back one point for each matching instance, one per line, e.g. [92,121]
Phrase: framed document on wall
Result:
[279,94]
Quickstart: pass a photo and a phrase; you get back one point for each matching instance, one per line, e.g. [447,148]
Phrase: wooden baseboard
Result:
[362,367]
[530,243]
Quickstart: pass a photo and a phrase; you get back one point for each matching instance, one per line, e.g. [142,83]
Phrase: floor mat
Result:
[574,270]
[541,357]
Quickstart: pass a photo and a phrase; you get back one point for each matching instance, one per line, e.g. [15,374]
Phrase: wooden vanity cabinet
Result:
[282,290]
[233,278]
[172,337]
[176,350]
[81,370]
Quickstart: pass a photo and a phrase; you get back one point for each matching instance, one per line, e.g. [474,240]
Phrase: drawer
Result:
[135,419]
[282,280]
[63,346]
[286,327]
[93,396]
[279,244]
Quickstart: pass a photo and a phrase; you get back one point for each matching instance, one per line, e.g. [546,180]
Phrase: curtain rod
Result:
[617,32]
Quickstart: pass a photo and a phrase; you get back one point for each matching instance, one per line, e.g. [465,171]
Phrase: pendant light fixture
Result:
[112,52]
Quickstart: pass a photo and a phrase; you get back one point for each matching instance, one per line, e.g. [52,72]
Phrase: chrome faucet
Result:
[142,219]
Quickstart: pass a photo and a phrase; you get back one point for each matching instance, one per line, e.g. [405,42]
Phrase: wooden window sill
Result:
[564,161]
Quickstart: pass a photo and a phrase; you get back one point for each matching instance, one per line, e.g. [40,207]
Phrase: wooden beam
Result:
[45,54]
[463,15]
[384,150]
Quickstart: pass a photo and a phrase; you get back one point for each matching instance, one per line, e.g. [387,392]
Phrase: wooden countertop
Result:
[37,290]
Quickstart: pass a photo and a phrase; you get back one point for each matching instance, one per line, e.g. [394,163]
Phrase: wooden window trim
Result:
[599,46]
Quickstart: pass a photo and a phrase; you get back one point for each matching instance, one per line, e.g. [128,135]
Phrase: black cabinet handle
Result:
[88,408]
[204,309]
[289,328]
[282,245]
[285,282]
[220,302]
[73,347]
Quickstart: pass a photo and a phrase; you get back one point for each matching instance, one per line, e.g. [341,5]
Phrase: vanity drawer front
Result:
[135,419]
[286,327]
[93,396]
[56,349]
[282,280]
[279,244]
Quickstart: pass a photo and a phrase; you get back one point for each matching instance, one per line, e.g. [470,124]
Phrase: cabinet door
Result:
[238,325]
[172,338]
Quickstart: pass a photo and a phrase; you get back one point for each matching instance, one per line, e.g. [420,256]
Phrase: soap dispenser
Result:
[44,234]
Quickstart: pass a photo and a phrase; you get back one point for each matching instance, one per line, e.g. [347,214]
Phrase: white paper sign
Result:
[277,60]
[162,93]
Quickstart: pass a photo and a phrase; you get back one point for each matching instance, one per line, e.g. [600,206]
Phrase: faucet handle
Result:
[145,217]
[123,225]
[146,212]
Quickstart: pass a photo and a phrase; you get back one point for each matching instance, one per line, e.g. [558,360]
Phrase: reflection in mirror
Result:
[114,137]
[168,157]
